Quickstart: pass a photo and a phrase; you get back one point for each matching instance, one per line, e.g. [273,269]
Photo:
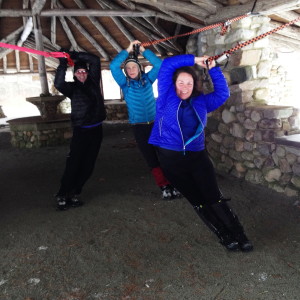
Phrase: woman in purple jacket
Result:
[178,134]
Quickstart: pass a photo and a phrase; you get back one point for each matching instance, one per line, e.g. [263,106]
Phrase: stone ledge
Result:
[290,140]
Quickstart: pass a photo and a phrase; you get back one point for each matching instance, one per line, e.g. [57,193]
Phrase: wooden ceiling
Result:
[104,27]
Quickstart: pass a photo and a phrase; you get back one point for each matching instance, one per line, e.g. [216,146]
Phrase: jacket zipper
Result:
[193,137]
[183,145]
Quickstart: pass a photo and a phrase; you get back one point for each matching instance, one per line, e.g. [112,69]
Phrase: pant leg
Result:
[93,140]
[141,134]
[192,174]
[68,180]
[177,169]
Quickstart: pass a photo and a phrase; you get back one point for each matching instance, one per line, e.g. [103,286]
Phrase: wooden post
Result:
[41,59]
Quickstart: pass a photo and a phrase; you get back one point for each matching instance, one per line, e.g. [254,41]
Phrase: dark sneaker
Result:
[175,193]
[169,192]
[244,243]
[166,192]
[74,201]
[61,203]
[229,243]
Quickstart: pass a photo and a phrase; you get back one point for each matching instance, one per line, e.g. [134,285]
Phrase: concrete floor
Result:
[127,243]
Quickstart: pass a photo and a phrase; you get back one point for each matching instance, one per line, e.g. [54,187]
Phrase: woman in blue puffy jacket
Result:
[178,134]
[137,89]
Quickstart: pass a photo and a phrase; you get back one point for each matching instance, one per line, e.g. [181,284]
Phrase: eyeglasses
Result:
[81,72]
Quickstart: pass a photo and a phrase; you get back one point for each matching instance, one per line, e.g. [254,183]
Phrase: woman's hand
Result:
[136,42]
[201,61]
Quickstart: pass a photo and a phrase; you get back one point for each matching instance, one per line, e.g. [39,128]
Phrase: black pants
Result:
[192,173]
[84,149]
[141,134]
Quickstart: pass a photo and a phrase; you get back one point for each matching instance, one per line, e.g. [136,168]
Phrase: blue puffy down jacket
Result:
[166,132]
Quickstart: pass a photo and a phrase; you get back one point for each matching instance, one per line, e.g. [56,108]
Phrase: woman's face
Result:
[184,85]
[81,75]
[132,70]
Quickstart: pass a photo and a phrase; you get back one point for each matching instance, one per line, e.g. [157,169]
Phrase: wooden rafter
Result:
[68,33]
[163,33]
[264,7]
[178,6]
[74,13]
[87,35]
[122,28]
[145,28]
[290,32]
[25,6]
[171,16]
[145,31]
[286,16]
[38,6]
[101,29]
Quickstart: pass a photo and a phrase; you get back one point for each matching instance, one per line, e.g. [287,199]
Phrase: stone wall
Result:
[35,132]
[243,135]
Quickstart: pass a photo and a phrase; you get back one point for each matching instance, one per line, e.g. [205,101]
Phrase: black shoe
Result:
[169,192]
[229,243]
[175,193]
[61,203]
[74,201]
[244,243]
[166,192]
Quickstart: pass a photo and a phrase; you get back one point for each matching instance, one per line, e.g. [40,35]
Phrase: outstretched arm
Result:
[60,82]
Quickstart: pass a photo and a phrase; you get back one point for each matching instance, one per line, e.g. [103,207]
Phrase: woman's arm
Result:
[221,91]
[115,68]
[155,61]
[60,82]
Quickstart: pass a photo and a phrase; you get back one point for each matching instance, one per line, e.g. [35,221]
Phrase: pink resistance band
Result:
[43,53]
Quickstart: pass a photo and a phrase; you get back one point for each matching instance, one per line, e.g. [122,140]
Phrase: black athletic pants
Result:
[84,149]
[192,173]
[141,134]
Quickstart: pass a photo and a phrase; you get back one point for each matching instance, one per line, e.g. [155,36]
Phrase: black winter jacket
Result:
[87,103]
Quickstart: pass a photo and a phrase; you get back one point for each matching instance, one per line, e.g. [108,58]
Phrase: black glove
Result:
[63,61]
[73,55]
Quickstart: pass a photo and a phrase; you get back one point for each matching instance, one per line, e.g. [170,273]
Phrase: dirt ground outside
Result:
[126,242]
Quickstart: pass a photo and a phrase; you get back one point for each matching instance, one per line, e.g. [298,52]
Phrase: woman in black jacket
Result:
[87,114]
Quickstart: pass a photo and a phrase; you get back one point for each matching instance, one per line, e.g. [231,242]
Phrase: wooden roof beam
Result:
[68,33]
[76,13]
[290,32]
[87,35]
[163,33]
[25,5]
[160,30]
[101,29]
[264,7]
[171,16]
[37,6]
[178,6]
[148,33]
[122,28]
[287,16]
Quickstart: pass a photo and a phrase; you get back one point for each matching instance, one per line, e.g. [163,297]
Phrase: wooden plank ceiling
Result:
[104,27]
